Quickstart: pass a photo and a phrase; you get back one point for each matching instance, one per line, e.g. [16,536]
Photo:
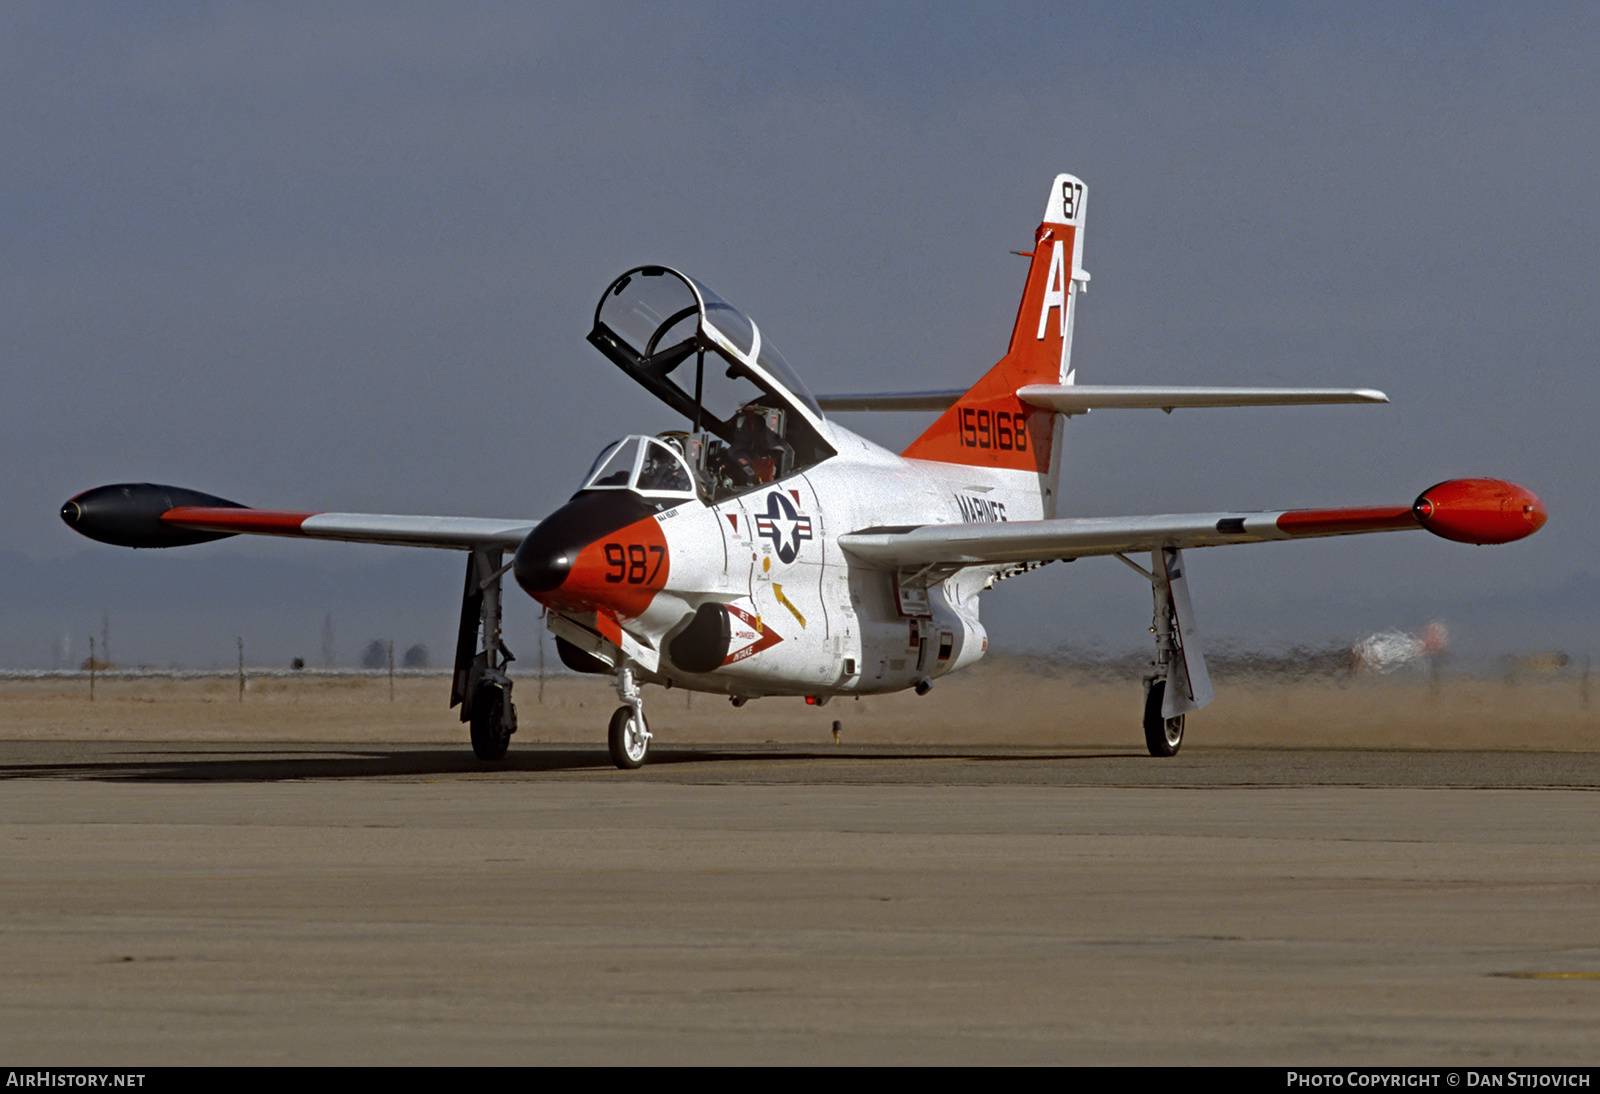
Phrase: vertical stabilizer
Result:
[989,426]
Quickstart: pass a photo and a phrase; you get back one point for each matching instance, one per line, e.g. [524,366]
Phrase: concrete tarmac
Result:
[402,904]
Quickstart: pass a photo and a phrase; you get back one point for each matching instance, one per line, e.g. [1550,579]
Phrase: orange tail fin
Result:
[989,426]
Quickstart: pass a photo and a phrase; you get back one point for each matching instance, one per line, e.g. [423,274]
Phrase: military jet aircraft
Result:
[762,549]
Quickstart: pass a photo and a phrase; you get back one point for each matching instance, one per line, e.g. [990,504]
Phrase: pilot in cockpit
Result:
[758,445]
[756,455]
[661,471]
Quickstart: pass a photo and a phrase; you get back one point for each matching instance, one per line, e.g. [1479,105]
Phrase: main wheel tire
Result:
[491,728]
[1162,736]
[629,738]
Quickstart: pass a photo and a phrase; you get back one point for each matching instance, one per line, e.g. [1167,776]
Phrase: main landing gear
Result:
[1162,736]
[1176,681]
[480,686]
[493,720]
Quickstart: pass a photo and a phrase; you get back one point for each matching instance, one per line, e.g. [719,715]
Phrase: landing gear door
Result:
[1188,681]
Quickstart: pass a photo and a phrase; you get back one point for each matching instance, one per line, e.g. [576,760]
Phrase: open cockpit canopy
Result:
[751,420]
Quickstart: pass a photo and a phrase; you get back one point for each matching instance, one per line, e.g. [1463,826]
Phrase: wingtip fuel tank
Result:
[1480,511]
[129,514]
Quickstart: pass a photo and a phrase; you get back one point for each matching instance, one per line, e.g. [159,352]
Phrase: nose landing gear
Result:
[629,734]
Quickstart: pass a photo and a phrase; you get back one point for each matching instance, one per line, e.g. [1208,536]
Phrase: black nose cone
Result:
[547,556]
[544,559]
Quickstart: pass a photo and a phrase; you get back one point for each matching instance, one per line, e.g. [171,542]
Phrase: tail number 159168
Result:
[1000,429]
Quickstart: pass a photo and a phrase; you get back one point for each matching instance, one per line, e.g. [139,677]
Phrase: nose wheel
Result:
[629,739]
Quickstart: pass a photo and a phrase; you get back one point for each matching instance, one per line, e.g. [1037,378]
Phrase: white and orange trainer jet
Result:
[763,549]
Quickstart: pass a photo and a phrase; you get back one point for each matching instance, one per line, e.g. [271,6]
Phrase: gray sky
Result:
[344,257]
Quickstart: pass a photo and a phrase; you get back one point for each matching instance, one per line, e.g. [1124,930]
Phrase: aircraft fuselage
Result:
[625,577]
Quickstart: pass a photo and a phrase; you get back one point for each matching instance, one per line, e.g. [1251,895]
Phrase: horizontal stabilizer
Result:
[893,400]
[1078,398]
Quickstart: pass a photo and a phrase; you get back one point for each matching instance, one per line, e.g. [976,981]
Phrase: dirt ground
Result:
[990,705]
[307,876]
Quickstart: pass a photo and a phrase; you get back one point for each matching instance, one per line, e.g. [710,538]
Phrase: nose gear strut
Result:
[629,735]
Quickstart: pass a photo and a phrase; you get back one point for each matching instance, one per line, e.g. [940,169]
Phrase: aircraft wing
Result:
[461,533]
[148,515]
[1466,510]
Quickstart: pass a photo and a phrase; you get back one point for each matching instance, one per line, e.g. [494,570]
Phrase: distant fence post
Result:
[241,668]
[91,668]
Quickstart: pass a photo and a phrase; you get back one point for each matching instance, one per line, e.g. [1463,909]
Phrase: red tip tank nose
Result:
[1480,511]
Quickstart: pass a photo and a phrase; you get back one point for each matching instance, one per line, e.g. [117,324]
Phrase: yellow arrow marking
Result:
[794,611]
